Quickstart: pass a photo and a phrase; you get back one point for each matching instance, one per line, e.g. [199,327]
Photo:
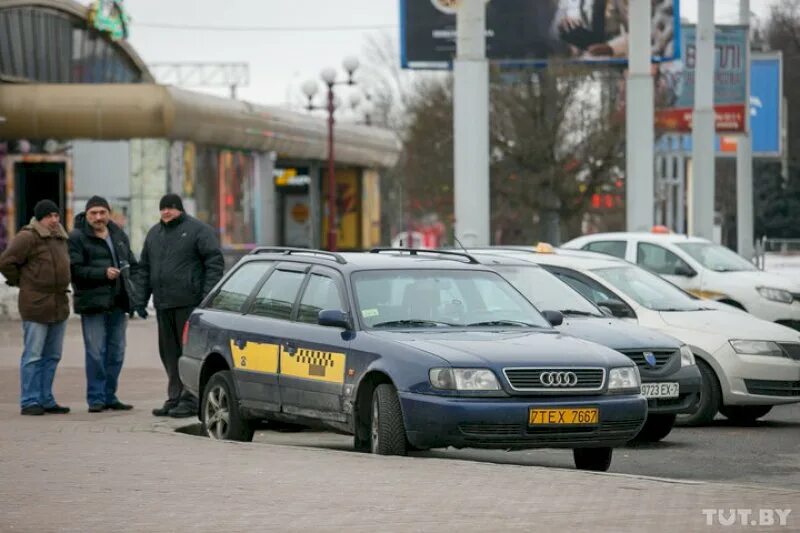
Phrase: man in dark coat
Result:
[37,262]
[98,251]
[181,262]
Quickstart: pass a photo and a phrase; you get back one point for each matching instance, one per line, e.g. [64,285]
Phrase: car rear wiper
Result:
[411,323]
[516,323]
[576,312]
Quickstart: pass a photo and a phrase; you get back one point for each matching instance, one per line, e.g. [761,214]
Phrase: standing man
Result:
[181,263]
[98,249]
[37,262]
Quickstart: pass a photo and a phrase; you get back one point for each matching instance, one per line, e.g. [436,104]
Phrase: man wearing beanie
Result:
[181,263]
[37,262]
[99,252]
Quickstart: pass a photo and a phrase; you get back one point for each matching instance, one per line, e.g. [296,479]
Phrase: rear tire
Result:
[387,431]
[710,398]
[744,414]
[656,428]
[219,410]
[593,459]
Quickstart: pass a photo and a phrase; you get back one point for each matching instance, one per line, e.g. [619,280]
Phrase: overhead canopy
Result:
[132,111]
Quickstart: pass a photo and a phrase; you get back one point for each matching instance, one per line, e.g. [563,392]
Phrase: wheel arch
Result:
[214,362]
[363,399]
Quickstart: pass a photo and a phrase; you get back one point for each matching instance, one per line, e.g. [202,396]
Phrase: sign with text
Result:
[677,82]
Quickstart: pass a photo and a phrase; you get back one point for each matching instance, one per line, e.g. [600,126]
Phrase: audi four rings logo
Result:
[558,379]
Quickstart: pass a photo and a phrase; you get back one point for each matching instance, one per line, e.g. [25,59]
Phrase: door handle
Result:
[240,343]
[290,348]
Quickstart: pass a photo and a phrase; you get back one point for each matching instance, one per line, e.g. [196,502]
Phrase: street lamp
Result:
[329,75]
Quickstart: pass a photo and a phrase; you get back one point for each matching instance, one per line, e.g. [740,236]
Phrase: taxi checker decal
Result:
[314,364]
[255,356]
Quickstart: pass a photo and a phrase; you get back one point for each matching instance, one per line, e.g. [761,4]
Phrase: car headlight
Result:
[687,357]
[463,379]
[624,378]
[757,348]
[776,295]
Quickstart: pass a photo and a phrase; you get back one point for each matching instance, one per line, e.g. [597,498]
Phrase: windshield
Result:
[441,299]
[648,289]
[716,257]
[546,291]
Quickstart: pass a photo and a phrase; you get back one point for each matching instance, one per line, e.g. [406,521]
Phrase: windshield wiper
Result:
[576,312]
[515,323]
[411,323]
[675,309]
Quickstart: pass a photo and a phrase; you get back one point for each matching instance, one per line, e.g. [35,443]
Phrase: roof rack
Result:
[417,251]
[292,251]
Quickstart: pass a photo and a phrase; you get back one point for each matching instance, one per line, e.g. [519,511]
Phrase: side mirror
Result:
[617,308]
[685,270]
[554,317]
[334,318]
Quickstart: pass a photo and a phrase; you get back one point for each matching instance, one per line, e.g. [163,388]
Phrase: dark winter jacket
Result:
[37,262]
[90,258]
[181,262]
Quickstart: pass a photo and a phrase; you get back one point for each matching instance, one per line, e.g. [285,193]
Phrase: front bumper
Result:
[757,379]
[502,423]
[689,384]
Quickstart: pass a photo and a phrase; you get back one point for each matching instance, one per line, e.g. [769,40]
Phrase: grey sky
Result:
[281,61]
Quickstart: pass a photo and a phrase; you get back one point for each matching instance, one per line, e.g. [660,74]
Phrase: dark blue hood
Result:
[617,334]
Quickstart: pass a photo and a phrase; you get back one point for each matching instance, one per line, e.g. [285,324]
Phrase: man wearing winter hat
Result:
[37,262]
[181,262]
[98,251]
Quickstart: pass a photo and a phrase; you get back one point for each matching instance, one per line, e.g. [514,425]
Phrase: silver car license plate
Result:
[660,390]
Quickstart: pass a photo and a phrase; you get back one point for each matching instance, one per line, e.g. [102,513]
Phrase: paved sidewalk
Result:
[129,471]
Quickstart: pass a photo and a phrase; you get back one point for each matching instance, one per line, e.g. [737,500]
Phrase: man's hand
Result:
[142,312]
[112,273]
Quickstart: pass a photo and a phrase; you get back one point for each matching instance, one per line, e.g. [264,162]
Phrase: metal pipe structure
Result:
[744,157]
[331,175]
[701,200]
[639,111]
[471,125]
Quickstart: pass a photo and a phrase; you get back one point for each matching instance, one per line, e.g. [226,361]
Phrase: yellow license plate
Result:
[578,417]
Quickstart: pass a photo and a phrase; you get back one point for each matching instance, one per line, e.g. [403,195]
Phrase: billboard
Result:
[677,81]
[533,31]
[766,98]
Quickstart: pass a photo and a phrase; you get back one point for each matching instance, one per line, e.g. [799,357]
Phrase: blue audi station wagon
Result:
[405,352]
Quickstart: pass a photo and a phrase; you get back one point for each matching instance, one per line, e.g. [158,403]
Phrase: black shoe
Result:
[97,408]
[164,410]
[119,406]
[182,411]
[32,410]
[57,410]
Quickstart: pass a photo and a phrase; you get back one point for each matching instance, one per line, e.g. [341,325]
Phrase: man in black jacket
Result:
[181,263]
[98,250]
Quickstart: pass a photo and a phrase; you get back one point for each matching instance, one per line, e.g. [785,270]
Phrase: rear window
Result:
[234,292]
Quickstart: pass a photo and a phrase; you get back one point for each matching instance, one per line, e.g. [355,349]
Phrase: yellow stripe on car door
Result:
[256,357]
[314,364]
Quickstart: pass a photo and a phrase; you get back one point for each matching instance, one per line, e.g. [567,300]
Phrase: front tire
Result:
[710,398]
[592,459]
[656,428]
[220,415]
[387,431]
[744,414]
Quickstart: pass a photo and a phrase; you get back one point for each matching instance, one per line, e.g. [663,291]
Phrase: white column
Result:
[701,204]
[744,157]
[471,125]
[639,110]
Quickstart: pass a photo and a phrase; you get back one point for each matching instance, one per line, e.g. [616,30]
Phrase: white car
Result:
[747,364]
[705,269]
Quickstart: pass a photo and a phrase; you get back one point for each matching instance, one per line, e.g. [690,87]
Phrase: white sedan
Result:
[705,269]
[747,364]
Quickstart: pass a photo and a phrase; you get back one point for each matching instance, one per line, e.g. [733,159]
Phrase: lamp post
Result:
[328,75]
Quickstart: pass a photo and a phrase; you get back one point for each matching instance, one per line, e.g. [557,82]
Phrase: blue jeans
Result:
[104,340]
[40,357]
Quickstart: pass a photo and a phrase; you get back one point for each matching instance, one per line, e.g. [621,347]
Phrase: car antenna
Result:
[459,242]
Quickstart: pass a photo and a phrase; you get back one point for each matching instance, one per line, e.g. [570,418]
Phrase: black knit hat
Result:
[170,201]
[97,201]
[44,208]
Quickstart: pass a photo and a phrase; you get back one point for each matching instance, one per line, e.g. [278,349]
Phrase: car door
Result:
[669,265]
[314,357]
[256,348]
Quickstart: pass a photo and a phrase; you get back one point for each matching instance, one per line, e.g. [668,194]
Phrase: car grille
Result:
[792,349]
[512,432]
[530,379]
[772,388]
[662,358]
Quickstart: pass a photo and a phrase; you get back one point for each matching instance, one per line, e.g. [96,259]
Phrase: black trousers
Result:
[170,330]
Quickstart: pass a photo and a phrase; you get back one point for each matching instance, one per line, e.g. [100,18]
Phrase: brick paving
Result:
[129,471]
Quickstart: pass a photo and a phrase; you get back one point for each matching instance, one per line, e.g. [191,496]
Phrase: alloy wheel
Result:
[217,413]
